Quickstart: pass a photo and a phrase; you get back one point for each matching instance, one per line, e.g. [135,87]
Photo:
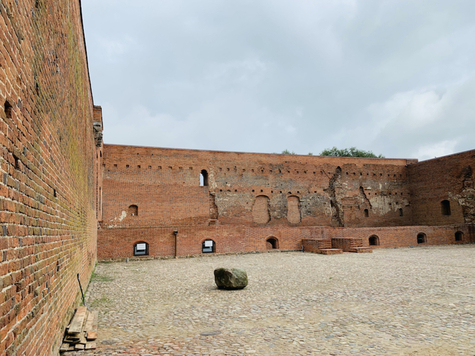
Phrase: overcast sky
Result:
[391,76]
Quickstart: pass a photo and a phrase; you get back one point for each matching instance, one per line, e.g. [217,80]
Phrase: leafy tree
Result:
[348,152]
[287,152]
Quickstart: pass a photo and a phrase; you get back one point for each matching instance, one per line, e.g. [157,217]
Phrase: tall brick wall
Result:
[450,179]
[48,169]
[242,199]
[251,189]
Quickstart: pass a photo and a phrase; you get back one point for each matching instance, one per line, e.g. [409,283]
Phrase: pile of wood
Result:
[81,332]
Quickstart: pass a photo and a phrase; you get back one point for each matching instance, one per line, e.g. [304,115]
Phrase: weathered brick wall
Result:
[248,198]
[405,236]
[118,243]
[47,193]
[251,189]
[449,178]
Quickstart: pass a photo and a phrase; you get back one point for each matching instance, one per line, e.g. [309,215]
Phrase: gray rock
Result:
[233,278]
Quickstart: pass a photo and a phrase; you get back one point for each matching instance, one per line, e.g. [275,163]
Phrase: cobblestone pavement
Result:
[407,301]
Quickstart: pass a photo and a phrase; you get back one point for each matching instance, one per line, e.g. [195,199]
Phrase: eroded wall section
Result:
[190,187]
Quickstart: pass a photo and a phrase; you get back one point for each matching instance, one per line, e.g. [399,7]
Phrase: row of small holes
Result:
[262,170]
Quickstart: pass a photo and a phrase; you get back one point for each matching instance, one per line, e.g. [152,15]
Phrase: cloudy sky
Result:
[391,76]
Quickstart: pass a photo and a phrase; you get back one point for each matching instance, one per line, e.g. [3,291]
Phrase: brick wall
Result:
[449,179]
[251,189]
[245,198]
[47,193]
[118,243]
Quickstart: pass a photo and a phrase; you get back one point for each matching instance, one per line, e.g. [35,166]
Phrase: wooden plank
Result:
[91,335]
[91,346]
[66,347]
[82,339]
[89,322]
[78,320]
[71,340]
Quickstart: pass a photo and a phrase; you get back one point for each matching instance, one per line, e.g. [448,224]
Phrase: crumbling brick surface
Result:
[47,194]
[251,189]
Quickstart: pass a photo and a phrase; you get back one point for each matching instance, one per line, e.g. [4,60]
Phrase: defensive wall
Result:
[173,200]
[50,145]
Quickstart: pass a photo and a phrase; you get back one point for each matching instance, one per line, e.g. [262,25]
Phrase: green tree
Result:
[287,152]
[348,152]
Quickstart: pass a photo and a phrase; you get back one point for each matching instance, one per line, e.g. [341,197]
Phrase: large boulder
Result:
[230,278]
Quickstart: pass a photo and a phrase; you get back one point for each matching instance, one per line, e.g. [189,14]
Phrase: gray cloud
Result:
[395,77]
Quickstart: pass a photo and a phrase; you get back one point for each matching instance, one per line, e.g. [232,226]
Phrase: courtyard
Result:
[404,301]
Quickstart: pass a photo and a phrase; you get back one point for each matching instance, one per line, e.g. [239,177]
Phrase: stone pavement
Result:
[406,301]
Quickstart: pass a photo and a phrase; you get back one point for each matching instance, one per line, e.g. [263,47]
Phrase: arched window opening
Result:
[141,248]
[366,213]
[208,246]
[445,206]
[458,236]
[272,243]
[421,238]
[204,178]
[133,210]
[374,240]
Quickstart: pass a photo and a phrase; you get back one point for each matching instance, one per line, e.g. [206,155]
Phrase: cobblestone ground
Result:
[407,301]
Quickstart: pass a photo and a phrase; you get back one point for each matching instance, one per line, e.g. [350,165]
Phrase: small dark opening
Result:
[54,193]
[401,212]
[374,240]
[133,210]
[141,249]
[204,178]
[272,243]
[366,213]
[421,238]
[8,109]
[445,206]
[17,162]
[208,246]
[458,236]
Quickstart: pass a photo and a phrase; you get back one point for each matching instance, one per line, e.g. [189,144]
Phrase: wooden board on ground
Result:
[91,346]
[91,335]
[78,321]
[89,321]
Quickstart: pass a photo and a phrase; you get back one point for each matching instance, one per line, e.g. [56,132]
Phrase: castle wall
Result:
[118,243]
[251,189]
[243,199]
[48,169]
[449,179]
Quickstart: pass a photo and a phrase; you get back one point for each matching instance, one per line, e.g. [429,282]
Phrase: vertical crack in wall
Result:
[365,198]
[213,208]
[337,210]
